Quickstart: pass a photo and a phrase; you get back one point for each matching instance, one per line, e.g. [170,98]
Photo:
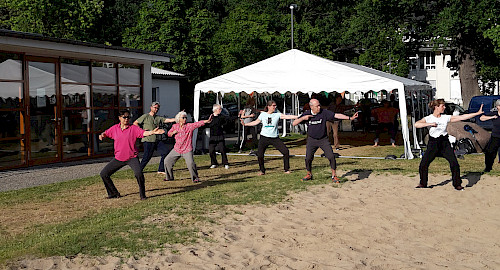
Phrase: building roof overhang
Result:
[31,43]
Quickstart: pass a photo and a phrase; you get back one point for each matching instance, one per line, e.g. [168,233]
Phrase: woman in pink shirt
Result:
[183,134]
[125,135]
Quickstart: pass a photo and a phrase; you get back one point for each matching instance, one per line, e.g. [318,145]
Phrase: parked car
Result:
[489,105]
[451,108]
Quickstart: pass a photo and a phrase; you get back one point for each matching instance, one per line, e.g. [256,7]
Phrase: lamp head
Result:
[293,6]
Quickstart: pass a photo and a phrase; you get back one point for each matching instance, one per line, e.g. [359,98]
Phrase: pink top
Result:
[385,115]
[184,136]
[125,148]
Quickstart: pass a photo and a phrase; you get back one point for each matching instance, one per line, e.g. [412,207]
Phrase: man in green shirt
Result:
[150,121]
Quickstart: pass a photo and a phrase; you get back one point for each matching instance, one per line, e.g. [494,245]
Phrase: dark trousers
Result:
[490,152]
[264,142]
[311,148]
[391,129]
[217,145]
[439,147]
[149,148]
[113,166]
[247,131]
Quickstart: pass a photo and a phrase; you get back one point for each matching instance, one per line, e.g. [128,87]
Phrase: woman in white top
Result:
[438,141]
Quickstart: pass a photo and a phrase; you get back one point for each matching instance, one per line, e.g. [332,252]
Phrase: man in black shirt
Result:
[317,137]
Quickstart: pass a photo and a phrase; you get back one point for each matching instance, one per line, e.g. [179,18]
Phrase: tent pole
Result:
[284,112]
[239,124]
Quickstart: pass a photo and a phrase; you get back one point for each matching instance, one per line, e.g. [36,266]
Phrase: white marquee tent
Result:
[295,71]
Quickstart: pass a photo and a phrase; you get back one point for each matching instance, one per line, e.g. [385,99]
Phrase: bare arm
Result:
[486,118]
[345,117]
[457,118]
[300,119]
[284,116]
[422,123]
[152,132]
[251,124]
[209,119]
[168,120]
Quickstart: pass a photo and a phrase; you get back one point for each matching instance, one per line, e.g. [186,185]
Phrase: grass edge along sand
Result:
[138,227]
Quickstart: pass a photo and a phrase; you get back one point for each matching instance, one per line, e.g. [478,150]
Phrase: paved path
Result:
[54,173]
[60,172]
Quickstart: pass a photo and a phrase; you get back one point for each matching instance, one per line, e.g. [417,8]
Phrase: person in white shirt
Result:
[439,144]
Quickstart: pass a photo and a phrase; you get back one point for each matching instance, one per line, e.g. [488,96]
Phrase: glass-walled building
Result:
[57,96]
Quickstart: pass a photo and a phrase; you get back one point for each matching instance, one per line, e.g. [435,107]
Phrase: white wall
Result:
[169,97]
[441,78]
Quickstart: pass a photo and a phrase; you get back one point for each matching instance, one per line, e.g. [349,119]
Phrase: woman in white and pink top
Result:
[183,134]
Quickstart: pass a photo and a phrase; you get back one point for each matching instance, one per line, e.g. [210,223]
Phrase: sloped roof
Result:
[298,71]
[162,73]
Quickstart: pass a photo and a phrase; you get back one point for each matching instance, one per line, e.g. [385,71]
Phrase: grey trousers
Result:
[172,158]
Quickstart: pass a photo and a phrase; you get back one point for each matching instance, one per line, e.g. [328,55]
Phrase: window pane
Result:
[129,75]
[11,66]
[130,96]
[75,71]
[104,119]
[76,146]
[11,95]
[103,147]
[104,73]
[134,113]
[104,96]
[10,123]
[11,153]
[76,120]
[42,84]
[76,95]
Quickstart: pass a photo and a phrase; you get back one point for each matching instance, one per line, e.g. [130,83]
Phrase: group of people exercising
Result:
[125,134]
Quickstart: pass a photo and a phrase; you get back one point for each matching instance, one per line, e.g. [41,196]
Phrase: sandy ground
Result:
[371,222]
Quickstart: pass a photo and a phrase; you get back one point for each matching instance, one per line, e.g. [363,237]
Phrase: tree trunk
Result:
[468,79]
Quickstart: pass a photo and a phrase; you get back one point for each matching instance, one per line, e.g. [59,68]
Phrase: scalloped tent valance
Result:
[296,71]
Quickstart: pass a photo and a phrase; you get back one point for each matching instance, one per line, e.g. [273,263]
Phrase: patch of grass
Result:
[73,217]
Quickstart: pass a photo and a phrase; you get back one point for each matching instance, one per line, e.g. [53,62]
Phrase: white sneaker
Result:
[213,166]
[226,166]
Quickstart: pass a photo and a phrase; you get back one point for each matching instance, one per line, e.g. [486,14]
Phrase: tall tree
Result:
[72,19]
[382,34]
[249,34]
[462,25]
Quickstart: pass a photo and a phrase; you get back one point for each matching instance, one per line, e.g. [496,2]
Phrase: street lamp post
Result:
[292,7]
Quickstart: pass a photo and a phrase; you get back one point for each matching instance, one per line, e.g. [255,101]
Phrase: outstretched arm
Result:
[345,117]
[462,117]
[153,132]
[300,119]
[284,116]
[251,124]
[486,118]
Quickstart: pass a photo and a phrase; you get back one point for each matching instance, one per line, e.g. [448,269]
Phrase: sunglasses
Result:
[125,117]
[274,105]
[184,117]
